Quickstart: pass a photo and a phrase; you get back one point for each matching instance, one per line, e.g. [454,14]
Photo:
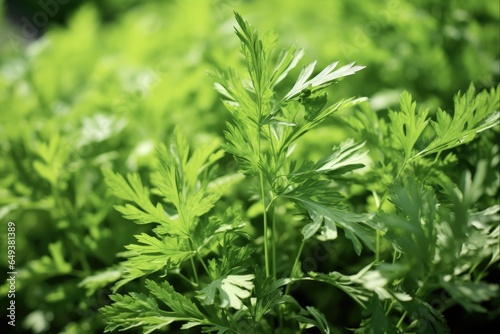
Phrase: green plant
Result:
[72,102]
[230,269]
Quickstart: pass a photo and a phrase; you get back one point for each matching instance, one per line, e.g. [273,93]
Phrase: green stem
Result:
[192,248]
[389,309]
[394,256]
[186,279]
[194,271]
[295,263]
[261,176]
[437,157]
[400,322]
[263,195]
[273,243]
[377,233]
[203,263]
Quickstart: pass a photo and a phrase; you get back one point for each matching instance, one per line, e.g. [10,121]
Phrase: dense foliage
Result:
[246,219]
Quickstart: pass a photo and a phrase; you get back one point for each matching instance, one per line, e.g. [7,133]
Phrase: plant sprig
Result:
[236,282]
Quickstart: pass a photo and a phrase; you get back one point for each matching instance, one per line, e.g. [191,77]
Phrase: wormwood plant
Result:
[211,265]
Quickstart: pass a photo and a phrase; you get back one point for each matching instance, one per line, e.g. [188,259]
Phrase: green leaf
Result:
[354,224]
[310,229]
[223,184]
[471,294]
[375,320]
[53,155]
[472,114]
[362,285]
[318,319]
[177,302]
[179,175]
[228,291]
[412,228]
[346,157]
[254,50]
[427,319]
[307,114]
[287,61]
[268,293]
[349,284]
[324,78]
[152,255]
[145,212]
[135,310]
[100,280]
[52,265]
[408,125]
[243,144]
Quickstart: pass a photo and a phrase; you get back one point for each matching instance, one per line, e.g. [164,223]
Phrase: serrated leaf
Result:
[286,62]
[472,114]
[347,156]
[184,180]
[427,319]
[227,291]
[470,295]
[375,321]
[353,224]
[268,293]
[52,265]
[151,255]
[348,284]
[139,310]
[318,319]
[408,125]
[135,310]
[325,77]
[177,302]
[412,229]
[100,280]
[144,211]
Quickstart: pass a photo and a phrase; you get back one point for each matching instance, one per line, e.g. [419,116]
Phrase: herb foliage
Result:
[429,231]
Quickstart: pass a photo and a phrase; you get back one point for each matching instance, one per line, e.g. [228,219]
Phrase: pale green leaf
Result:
[354,224]
[228,291]
[325,77]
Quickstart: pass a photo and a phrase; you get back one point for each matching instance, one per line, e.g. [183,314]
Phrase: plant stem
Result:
[200,259]
[296,263]
[186,279]
[194,271]
[389,309]
[203,263]
[273,241]
[263,195]
[261,175]
[401,319]
[377,235]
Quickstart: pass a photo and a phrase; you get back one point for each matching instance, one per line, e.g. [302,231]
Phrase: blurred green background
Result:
[92,84]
